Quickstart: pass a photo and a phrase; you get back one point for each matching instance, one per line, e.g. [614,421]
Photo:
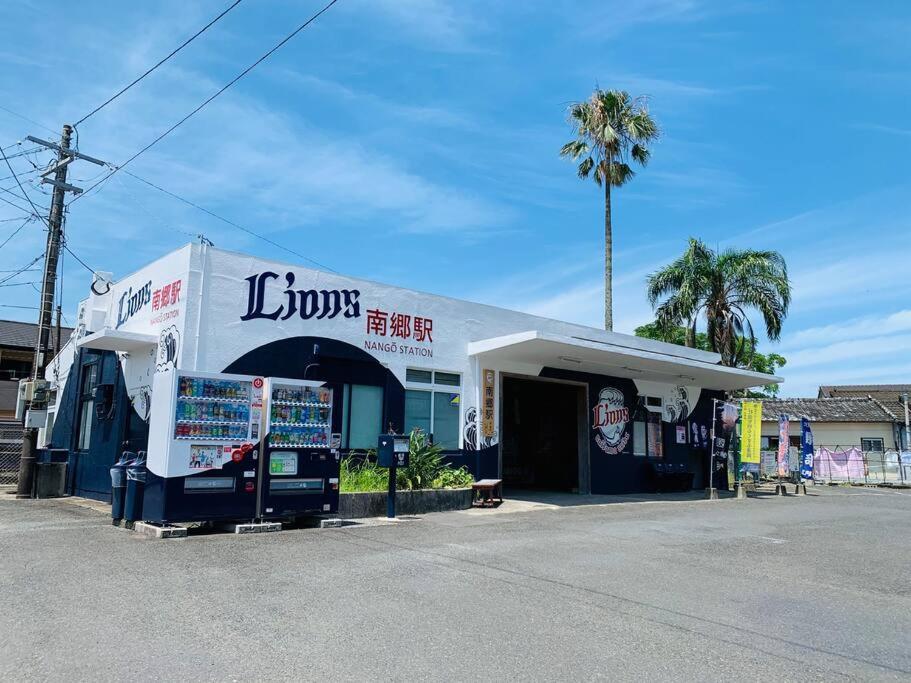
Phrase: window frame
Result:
[87,399]
[433,388]
[347,390]
[879,439]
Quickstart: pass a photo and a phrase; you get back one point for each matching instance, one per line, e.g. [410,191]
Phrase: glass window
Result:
[449,379]
[419,376]
[655,436]
[639,438]
[89,379]
[364,415]
[85,425]
[434,405]
[87,406]
[446,420]
[417,410]
[871,445]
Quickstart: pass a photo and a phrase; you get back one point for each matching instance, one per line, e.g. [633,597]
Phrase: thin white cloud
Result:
[395,109]
[892,130]
[437,25]
[857,328]
[852,351]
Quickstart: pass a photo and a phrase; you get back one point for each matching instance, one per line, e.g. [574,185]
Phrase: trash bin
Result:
[50,472]
[136,481]
[119,485]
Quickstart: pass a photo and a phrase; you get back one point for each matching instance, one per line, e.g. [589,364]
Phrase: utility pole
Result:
[39,399]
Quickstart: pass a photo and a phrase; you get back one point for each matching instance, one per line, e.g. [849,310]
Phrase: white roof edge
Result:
[619,339]
[109,339]
[494,343]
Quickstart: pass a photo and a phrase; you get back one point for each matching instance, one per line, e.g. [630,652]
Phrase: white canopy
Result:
[109,339]
[618,360]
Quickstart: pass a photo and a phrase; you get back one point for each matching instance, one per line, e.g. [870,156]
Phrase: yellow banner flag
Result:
[750,427]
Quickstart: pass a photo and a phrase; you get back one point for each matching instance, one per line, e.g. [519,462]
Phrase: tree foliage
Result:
[767,363]
[723,287]
[612,132]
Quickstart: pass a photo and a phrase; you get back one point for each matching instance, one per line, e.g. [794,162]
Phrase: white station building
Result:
[539,403]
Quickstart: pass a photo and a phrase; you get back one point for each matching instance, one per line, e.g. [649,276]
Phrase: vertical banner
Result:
[487,398]
[784,445]
[725,428]
[727,416]
[806,449]
[655,442]
[751,428]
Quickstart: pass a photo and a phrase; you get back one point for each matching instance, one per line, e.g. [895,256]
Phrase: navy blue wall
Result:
[338,363]
[624,472]
[88,471]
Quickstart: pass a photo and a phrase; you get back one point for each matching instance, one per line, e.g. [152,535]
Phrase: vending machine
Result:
[203,453]
[299,470]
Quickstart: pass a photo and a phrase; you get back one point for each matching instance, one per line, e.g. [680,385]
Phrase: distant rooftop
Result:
[887,394]
[24,335]
[838,409]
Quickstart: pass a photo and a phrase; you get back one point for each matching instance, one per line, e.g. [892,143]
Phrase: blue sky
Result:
[415,142]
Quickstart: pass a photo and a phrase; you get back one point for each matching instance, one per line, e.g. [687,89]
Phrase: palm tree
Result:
[611,130]
[723,286]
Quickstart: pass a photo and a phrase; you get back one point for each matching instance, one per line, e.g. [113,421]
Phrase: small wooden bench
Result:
[486,490]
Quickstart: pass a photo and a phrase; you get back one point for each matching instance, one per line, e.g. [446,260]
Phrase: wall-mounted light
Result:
[691,379]
[569,359]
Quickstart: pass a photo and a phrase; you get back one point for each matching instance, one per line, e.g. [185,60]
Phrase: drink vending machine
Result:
[299,470]
[203,447]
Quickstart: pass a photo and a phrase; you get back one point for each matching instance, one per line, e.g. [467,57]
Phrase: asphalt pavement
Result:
[799,588]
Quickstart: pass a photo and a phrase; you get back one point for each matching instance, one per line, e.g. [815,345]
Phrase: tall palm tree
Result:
[612,130]
[723,286]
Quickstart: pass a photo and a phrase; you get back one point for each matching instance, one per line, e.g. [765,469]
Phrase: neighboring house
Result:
[842,422]
[17,353]
[889,395]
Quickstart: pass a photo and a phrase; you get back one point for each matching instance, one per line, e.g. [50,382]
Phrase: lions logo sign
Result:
[610,419]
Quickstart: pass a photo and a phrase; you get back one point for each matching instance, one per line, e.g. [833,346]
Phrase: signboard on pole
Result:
[784,444]
[806,449]
[751,428]
[487,399]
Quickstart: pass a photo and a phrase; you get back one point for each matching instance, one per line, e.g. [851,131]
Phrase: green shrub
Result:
[426,470]
[360,473]
[452,478]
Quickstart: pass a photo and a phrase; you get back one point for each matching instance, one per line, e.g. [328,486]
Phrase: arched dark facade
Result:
[326,360]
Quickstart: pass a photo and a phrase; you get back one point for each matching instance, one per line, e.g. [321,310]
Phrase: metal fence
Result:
[844,464]
[10,450]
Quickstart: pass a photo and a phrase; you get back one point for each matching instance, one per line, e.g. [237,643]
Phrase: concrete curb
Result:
[422,501]
[154,531]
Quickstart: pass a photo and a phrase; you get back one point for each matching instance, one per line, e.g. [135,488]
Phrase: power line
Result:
[16,231]
[21,208]
[24,268]
[24,194]
[26,118]
[20,284]
[83,263]
[29,308]
[234,80]
[173,52]
[229,222]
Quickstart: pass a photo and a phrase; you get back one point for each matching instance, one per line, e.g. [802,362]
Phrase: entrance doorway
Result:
[541,435]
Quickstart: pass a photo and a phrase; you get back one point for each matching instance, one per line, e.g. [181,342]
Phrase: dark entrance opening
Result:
[540,435]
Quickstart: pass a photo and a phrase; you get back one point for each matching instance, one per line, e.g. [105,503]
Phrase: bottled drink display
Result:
[198,387]
[212,409]
[300,416]
[319,395]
